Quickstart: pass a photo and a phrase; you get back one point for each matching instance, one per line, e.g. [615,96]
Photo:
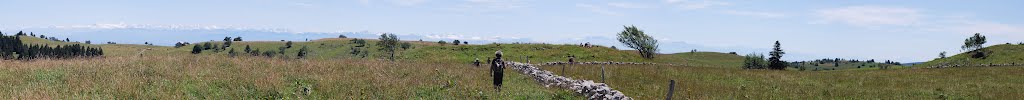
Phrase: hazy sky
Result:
[903,30]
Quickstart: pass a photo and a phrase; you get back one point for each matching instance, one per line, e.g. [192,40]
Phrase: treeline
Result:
[11,47]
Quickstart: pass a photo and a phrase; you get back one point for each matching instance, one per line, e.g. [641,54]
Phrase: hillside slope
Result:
[341,48]
[997,54]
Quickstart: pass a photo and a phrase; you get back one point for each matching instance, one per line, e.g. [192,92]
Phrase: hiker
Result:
[572,59]
[497,70]
[476,62]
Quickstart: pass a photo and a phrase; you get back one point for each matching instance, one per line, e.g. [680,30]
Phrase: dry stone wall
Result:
[598,63]
[588,88]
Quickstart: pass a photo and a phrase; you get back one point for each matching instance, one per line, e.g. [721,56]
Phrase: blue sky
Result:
[906,31]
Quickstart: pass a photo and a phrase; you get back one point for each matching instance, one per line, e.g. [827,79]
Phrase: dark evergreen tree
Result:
[775,61]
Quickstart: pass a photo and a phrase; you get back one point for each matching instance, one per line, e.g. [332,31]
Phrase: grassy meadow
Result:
[221,77]
[651,82]
[433,71]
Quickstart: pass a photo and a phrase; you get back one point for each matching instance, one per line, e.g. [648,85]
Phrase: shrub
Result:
[288,44]
[754,61]
[197,49]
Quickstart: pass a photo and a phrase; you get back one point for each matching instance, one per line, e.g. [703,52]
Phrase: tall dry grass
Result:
[248,77]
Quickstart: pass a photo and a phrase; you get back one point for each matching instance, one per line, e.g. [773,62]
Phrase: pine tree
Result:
[775,61]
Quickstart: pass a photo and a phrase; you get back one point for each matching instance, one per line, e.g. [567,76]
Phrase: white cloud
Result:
[299,4]
[696,4]
[870,16]
[122,25]
[491,5]
[364,2]
[971,27]
[464,37]
[408,2]
[627,5]
[598,9]
[754,14]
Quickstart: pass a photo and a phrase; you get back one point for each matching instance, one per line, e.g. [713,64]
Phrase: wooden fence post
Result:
[671,88]
[602,74]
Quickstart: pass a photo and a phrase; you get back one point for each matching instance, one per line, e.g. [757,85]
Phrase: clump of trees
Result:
[456,42]
[388,44]
[11,45]
[974,44]
[754,61]
[176,45]
[635,38]
[442,42]
[342,36]
[359,49]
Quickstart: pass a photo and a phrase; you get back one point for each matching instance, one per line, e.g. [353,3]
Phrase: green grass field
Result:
[433,71]
[651,82]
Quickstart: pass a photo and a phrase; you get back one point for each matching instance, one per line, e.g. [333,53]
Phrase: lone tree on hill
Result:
[775,61]
[636,39]
[238,38]
[975,44]
[456,42]
[942,54]
[342,36]
[388,43]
